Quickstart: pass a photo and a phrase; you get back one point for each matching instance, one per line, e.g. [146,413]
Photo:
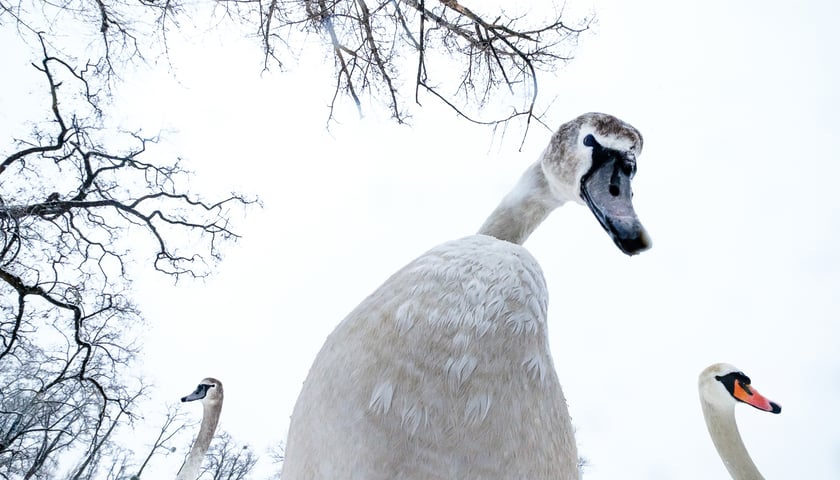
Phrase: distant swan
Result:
[721,387]
[211,394]
[444,372]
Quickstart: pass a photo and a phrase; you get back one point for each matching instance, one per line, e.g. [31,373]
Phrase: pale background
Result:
[737,185]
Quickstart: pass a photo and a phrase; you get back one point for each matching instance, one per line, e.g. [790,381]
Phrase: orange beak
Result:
[749,395]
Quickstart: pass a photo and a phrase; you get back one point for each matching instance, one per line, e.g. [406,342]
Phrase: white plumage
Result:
[721,387]
[445,372]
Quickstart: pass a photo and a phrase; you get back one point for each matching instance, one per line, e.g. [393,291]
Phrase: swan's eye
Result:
[590,141]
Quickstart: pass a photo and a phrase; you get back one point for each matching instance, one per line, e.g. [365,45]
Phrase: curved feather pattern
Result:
[484,339]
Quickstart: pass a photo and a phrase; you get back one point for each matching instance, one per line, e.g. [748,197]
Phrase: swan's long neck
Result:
[523,209]
[724,432]
[209,420]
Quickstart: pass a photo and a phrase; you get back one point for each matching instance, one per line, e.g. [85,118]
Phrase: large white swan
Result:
[211,394]
[722,386]
[444,372]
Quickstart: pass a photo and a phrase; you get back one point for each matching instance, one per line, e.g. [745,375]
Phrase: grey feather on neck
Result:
[523,209]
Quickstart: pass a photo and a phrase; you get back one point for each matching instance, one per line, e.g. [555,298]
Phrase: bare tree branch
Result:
[367,39]
[227,460]
[172,425]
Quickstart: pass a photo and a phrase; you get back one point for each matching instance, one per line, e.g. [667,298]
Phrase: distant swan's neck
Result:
[724,432]
[523,209]
[209,420]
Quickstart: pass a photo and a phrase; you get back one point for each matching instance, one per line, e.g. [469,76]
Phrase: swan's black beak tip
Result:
[635,244]
[183,399]
[775,407]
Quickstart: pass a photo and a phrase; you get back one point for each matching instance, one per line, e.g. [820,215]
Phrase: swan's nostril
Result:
[614,190]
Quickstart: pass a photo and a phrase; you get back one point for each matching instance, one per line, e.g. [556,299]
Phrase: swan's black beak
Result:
[198,394]
[749,395]
[606,190]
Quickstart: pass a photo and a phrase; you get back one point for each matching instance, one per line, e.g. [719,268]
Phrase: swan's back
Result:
[451,347]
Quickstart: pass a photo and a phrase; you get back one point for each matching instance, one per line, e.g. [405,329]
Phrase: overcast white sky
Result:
[737,185]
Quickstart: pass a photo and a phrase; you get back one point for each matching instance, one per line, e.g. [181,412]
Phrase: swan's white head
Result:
[209,391]
[592,160]
[722,386]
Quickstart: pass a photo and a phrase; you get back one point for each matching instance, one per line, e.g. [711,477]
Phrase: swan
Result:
[444,371]
[722,386]
[211,394]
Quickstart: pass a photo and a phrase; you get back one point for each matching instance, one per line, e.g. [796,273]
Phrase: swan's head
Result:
[722,386]
[209,391]
[592,160]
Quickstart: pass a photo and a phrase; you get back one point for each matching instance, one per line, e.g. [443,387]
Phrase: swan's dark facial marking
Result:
[606,190]
[615,190]
[199,393]
[740,387]
[622,163]
[729,380]
[733,379]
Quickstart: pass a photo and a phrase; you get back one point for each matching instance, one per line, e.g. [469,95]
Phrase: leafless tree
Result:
[227,460]
[41,424]
[79,207]
[277,454]
[490,48]
[172,425]
[392,50]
